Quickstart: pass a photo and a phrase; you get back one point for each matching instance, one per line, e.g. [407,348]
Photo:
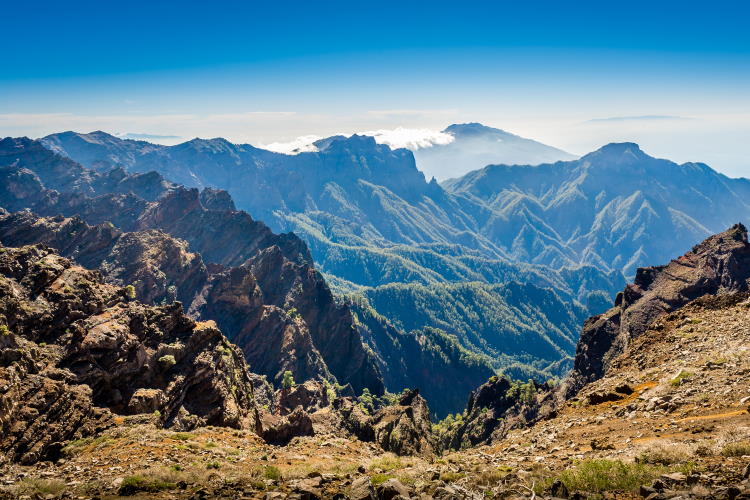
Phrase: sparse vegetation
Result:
[272,472]
[681,378]
[152,484]
[599,475]
[736,449]
[665,455]
[86,443]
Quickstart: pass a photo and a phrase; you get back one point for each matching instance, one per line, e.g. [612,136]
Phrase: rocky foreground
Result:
[669,420]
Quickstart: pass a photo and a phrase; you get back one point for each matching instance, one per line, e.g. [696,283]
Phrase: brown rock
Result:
[280,430]
[362,489]
[75,347]
[719,265]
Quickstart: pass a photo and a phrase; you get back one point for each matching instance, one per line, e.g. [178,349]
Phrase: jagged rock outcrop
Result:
[64,175]
[719,265]
[250,303]
[403,428]
[494,408]
[278,429]
[285,317]
[74,349]
[311,395]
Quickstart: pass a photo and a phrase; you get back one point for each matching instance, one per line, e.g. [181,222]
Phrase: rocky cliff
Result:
[75,352]
[252,303]
[719,265]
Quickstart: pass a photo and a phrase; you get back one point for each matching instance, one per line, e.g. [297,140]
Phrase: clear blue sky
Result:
[271,71]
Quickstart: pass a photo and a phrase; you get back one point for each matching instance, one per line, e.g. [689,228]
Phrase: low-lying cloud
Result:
[410,138]
[399,137]
[303,144]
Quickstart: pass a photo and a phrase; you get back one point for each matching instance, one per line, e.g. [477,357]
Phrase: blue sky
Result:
[674,75]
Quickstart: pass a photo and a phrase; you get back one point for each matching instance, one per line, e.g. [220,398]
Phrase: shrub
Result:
[293,313]
[41,487]
[181,436]
[737,449]
[387,463]
[4,330]
[378,479]
[213,465]
[681,378]
[450,477]
[129,291]
[287,382]
[272,472]
[167,361]
[136,483]
[601,475]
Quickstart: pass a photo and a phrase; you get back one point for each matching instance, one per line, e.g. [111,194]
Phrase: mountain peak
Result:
[214,145]
[619,152]
[341,141]
[473,129]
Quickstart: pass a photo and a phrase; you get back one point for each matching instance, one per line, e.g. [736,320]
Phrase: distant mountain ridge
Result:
[615,208]
[372,221]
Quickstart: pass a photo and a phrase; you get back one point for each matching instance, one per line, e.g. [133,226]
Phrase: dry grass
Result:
[666,454]
[736,449]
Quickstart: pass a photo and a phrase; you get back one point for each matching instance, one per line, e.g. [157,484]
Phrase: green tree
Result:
[287,382]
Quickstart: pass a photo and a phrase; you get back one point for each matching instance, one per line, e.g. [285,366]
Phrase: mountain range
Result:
[484,245]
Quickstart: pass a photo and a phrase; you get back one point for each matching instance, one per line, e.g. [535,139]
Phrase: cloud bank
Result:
[302,144]
[399,137]
[410,138]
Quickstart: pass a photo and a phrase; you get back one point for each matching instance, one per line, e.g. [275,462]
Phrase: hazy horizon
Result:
[669,77]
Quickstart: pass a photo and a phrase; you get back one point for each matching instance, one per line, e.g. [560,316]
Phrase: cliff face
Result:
[718,265]
[271,307]
[74,351]
[173,243]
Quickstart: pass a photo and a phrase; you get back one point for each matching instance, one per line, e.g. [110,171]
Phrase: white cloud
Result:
[400,137]
[303,144]
[410,138]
